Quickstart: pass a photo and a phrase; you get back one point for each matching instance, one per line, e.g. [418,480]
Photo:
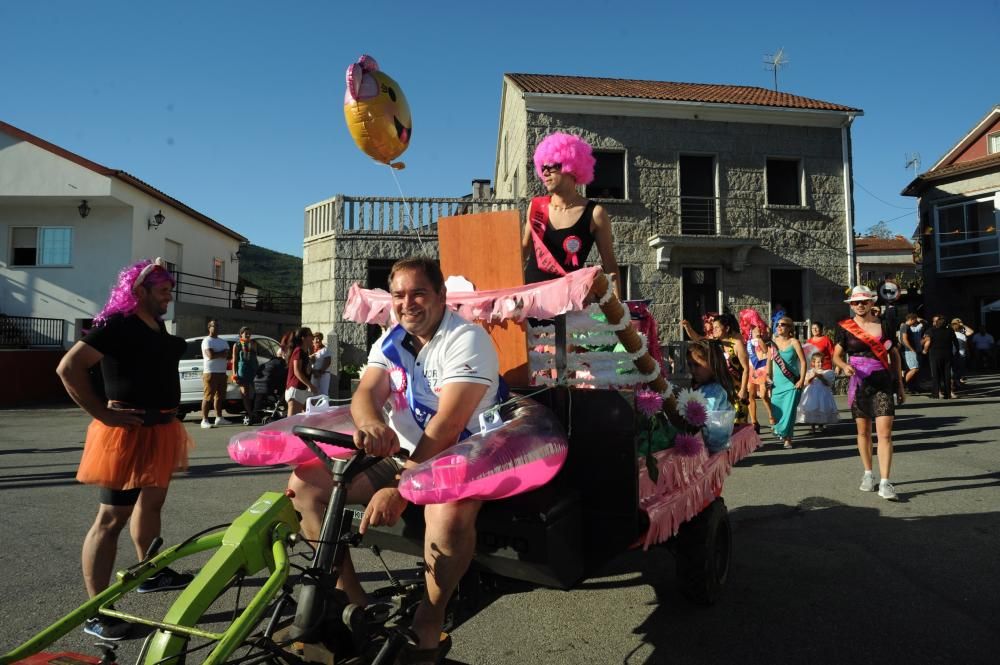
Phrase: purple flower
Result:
[648,402]
[688,444]
[696,414]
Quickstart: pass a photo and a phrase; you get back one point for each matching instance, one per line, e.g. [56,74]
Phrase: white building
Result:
[67,225]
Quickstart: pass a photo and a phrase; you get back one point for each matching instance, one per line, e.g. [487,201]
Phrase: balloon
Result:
[377,113]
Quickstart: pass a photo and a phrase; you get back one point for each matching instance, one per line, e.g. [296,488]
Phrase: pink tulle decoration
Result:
[122,299]
[648,402]
[695,413]
[688,444]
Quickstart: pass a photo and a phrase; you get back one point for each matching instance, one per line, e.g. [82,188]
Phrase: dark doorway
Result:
[700,294]
[697,194]
[786,290]
[378,278]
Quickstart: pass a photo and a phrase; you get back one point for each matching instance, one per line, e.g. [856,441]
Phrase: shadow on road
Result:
[787,582]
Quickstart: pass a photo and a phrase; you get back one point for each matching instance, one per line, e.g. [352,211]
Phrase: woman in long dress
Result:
[785,369]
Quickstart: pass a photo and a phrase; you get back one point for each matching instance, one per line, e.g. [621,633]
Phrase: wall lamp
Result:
[157,220]
[83,209]
[235,256]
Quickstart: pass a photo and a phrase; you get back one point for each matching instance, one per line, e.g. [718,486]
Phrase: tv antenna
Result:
[912,159]
[775,61]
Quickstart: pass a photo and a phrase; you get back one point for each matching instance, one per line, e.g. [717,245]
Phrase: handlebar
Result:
[345,468]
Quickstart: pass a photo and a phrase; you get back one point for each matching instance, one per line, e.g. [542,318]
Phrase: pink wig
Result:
[123,299]
[572,152]
[750,319]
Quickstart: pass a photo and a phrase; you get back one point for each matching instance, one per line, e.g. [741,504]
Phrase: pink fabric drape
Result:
[542,300]
[687,484]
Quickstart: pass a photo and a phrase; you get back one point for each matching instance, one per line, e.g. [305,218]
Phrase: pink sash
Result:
[538,221]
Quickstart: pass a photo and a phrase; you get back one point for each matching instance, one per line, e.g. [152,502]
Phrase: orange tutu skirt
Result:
[124,458]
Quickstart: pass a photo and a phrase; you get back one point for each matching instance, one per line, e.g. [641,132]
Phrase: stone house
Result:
[882,258]
[958,202]
[721,197]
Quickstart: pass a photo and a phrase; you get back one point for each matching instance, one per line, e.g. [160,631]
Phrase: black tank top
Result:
[556,240]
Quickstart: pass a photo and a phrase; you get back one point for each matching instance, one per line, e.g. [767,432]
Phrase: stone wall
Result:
[812,237]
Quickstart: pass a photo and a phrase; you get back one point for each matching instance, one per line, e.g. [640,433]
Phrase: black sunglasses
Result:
[552,168]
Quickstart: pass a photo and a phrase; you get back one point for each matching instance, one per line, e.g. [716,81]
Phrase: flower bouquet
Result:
[670,422]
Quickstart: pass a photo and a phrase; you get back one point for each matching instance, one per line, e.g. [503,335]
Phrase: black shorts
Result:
[112,497]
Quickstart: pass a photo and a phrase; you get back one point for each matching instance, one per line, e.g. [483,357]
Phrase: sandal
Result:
[787,445]
[756,428]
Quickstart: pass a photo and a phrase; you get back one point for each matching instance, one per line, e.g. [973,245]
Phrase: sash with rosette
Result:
[403,385]
[782,365]
[879,349]
[538,221]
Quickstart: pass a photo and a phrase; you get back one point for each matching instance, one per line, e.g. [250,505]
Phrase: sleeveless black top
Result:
[555,240]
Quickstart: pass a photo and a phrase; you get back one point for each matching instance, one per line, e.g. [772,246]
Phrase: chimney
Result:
[481,190]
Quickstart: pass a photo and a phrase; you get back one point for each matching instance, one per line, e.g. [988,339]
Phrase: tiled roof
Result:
[116,173]
[990,161]
[669,91]
[899,243]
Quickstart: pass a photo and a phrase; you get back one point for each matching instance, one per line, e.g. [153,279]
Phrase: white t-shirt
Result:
[963,342]
[215,365]
[318,359]
[459,352]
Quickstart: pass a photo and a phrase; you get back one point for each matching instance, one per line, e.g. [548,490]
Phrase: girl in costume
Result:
[710,375]
[822,343]
[785,369]
[817,408]
[726,332]
[757,334]
[865,352]
[563,225]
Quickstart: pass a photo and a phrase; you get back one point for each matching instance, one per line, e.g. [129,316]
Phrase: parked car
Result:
[192,363]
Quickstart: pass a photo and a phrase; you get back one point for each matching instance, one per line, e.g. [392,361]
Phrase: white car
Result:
[191,365]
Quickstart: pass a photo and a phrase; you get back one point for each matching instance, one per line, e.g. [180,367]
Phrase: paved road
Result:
[823,573]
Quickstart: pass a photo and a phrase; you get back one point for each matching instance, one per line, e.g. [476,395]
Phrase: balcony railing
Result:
[22,332]
[230,295]
[698,215]
[388,215]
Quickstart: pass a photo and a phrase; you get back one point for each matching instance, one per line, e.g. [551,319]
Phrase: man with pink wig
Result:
[135,441]
[564,225]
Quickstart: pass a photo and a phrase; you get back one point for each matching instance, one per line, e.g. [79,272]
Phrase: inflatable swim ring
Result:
[524,453]
[274,443]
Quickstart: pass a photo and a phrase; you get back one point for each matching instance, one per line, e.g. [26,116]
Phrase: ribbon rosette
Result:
[397,384]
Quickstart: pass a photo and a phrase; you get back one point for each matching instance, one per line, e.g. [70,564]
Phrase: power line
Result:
[891,205]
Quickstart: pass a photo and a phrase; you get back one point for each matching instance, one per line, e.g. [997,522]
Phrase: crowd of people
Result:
[795,379]
[448,372]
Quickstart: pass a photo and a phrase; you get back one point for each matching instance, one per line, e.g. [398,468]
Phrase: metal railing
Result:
[381,215]
[21,332]
[698,215]
[230,295]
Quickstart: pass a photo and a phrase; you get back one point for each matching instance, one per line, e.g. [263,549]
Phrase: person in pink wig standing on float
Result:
[564,225]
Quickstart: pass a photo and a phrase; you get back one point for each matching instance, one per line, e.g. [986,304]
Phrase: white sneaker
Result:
[205,424]
[886,491]
[867,482]
[219,420]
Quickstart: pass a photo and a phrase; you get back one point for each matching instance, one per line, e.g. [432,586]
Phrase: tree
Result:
[880,230]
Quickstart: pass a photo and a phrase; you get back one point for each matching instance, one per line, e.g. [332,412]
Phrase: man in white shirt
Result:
[444,372]
[215,352]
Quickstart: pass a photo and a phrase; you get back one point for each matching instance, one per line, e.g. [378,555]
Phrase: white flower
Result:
[688,396]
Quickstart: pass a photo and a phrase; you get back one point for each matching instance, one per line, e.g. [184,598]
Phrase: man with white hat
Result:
[874,369]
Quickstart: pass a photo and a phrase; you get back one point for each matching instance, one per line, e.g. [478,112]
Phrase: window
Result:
[784,182]
[609,176]
[41,245]
[625,286]
[967,235]
[218,272]
[697,180]
[993,143]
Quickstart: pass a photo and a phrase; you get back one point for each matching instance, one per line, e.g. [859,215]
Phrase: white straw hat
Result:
[861,292]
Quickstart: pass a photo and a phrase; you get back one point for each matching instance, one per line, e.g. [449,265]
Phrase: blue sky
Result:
[235,108]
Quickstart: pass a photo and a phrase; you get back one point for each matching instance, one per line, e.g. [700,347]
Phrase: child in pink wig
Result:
[564,225]
[756,333]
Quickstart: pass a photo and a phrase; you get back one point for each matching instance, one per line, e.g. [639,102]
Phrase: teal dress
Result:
[784,395]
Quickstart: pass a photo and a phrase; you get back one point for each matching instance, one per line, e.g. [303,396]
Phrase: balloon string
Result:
[406,208]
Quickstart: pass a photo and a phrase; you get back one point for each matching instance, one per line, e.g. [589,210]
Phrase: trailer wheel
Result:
[703,551]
